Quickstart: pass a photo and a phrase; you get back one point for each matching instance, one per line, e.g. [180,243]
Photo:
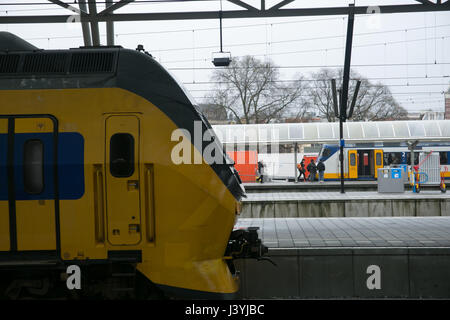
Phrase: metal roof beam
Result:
[281,4]
[115,6]
[67,6]
[227,14]
[242,4]
[426,2]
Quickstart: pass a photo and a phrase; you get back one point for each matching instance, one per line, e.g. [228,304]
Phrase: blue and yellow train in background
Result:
[362,160]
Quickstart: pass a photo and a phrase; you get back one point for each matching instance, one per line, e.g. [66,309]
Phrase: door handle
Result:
[133,185]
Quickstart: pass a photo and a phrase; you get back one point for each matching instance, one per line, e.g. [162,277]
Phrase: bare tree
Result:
[374,101]
[250,89]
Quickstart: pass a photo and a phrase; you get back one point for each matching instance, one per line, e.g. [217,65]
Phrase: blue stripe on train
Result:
[70,166]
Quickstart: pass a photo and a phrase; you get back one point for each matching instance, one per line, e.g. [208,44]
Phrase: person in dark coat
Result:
[312,169]
[260,172]
[321,169]
[301,168]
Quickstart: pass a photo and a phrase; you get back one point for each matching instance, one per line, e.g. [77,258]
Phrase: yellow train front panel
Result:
[131,195]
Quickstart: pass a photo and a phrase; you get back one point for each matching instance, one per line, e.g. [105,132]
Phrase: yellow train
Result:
[88,179]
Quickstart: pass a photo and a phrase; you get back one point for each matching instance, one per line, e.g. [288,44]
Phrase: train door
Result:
[365,164]
[122,179]
[28,189]
[352,164]
[378,161]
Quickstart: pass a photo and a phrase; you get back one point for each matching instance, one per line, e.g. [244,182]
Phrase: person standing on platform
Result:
[260,172]
[302,170]
[312,169]
[321,169]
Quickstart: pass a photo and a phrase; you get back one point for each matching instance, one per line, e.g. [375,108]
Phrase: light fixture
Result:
[221,59]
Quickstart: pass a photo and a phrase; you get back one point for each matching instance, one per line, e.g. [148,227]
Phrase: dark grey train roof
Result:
[11,42]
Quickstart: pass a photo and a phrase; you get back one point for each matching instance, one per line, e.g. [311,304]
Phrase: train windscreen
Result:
[326,152]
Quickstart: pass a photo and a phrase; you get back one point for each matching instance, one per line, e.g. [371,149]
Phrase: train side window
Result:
[33,166]
[392,158]
[352,159]
[326,152]
[121,155]
[443,156]
[416,158]
[378,159]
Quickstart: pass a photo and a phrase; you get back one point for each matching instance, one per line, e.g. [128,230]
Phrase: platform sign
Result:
[396,173]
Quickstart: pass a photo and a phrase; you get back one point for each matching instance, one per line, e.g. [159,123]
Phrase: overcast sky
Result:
[300,45]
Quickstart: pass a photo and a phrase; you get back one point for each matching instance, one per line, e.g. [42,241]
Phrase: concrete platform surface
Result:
[329,258]
[337,196]
[352,232]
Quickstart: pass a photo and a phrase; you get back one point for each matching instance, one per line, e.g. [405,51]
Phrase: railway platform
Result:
[340,258]
[327,186]
[349,204]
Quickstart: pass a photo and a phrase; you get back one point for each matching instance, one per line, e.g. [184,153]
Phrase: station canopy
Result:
[328,132]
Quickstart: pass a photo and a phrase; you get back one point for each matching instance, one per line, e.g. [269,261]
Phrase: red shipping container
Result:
[245,163]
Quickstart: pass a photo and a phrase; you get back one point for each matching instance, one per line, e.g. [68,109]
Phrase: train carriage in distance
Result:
[361,161]
[87,179]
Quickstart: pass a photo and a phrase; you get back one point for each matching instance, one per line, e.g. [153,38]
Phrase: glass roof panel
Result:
[431,129]
[400,129]
[370,130]
[280,132]
[311,131]
[265,133]
[445,128]
[251,133]
[355,130]
[325,131]
[416,129]
[385,129]
[235,133]
[295,131]
[361,131]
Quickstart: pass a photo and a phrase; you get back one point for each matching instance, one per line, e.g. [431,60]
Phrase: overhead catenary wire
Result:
[295,80]
[305,51]
[245,26]
[323,66]
[391,93]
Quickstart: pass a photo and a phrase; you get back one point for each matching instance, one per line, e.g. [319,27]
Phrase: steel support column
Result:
[109,27]
[94,23]
[85,25]
[345,82]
